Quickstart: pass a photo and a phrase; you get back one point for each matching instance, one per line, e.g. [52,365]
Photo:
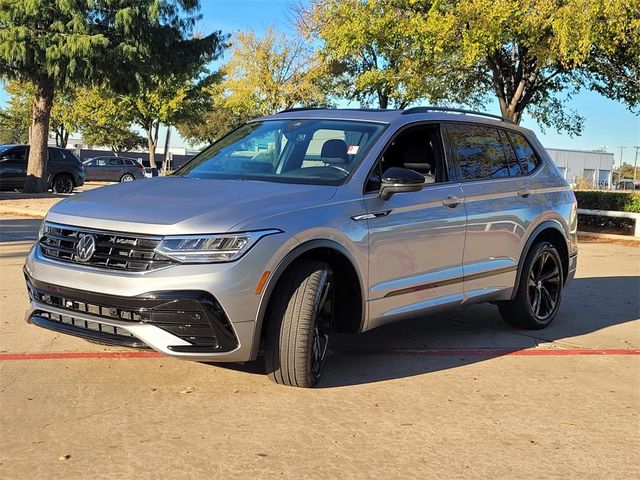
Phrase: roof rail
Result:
[427,109]
[298,109]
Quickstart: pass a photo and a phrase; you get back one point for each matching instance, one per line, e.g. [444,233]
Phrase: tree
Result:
[166,101]
[263,76]
[105,119]
[61,44]
[367,49]
[532,55]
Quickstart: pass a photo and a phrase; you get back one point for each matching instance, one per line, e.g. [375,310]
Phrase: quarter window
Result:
[515,170]
[524,152]
[479,151]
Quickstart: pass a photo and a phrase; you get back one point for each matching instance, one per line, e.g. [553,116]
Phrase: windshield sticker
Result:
[353,149]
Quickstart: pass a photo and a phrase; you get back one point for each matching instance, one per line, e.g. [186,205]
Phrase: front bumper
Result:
[224,292]
[170,321]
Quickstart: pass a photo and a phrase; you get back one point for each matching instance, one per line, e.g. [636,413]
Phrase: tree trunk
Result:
[62,136]
[383,100]
[165,160]
[152,141]
[36,180]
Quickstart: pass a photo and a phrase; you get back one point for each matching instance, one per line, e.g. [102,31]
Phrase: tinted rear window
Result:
[528,159]
[479,151]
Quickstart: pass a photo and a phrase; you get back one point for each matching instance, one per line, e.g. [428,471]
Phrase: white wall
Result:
[598,165]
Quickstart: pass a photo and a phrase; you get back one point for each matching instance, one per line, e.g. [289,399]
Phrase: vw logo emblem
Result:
[86,247]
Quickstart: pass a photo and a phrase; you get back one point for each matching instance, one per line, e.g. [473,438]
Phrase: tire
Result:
[127,177]
[298,324]
[62,183]
[539,293]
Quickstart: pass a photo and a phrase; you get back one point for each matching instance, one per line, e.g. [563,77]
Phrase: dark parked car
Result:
[64,170]
[113,169]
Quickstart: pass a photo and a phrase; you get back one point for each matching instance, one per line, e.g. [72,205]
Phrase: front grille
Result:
[114,251]
[190,315]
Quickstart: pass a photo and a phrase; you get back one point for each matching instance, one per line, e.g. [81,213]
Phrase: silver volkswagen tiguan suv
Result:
[306,223]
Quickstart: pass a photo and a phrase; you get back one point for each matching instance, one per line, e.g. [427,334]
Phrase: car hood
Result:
[182,206]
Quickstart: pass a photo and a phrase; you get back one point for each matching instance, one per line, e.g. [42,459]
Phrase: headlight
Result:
[224,247]
[42,230]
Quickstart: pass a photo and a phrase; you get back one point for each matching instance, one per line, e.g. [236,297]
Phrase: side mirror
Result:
[398,180]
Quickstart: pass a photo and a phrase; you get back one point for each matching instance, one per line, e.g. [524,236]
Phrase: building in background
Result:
[593,167]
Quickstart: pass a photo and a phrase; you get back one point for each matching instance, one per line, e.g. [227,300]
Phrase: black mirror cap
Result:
[398,180]
[403,176]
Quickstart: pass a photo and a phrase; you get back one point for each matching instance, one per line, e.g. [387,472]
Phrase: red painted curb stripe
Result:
[434,352]
[67,355]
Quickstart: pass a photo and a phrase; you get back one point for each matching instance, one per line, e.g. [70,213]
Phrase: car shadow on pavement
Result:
[453,339]
[473,334]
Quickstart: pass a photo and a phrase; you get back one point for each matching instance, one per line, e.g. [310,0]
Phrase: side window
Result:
[515,169]
[417,148]
[101,162]
[16,154]
[55,155]
[479,152]
[116,162]
[528,159]
[90,163]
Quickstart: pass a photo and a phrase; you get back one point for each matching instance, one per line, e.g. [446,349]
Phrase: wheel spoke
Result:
[536,303]
[550,298]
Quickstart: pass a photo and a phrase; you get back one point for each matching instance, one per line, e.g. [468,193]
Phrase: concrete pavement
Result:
[458,395]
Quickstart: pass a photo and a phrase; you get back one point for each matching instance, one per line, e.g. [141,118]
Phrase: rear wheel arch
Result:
[553,232]
[349,286]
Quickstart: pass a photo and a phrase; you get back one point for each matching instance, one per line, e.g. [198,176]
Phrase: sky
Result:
[607,123]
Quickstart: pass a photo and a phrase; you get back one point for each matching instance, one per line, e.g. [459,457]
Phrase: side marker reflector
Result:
[262,282]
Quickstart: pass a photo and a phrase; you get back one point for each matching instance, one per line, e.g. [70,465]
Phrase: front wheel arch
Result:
[341,261]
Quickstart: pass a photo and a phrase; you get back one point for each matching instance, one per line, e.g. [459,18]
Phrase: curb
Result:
[610,236]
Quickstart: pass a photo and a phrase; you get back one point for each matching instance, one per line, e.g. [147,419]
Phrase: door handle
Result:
[524,192]
[451,201]
[369,216]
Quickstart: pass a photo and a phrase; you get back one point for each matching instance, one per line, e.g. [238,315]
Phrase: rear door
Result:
[94,169]
[416,239]
[499,208]
[13,167]
[114,170]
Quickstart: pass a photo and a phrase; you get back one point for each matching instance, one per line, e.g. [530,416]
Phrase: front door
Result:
[416,239]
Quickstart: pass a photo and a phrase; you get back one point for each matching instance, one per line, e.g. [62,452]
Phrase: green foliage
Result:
[371,56]
[534,54]
[626,171]
[15,118]
[603,200]
[263,76]
[106,42]
[105,119]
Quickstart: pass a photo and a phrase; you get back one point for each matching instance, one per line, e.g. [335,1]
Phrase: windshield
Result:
[321,152]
